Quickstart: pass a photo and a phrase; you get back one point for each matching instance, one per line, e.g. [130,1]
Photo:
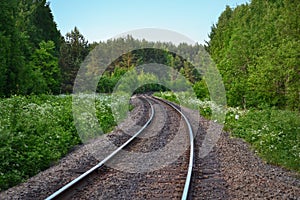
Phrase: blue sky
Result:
[103,19]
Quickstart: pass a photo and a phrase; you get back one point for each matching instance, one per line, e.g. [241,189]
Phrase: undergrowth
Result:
[36,131]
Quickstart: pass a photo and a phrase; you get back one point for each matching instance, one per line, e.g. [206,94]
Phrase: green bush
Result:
[36,131]
[275,134]
[170,96]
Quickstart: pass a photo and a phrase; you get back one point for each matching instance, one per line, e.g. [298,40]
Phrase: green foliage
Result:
[12,57]
[35,19]
[20,37]
[35,58]
[36,131]
[153,72]
[45,69]
[275,134]
[152,87]
[256,48]
[170,96]
[105,116]
[45,27]
[72,53]
[201,90]
[107,82]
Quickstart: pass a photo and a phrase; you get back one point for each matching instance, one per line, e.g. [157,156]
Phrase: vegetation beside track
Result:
[36,131]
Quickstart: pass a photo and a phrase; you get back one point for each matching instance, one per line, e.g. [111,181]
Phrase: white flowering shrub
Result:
[36,131]
[275,134]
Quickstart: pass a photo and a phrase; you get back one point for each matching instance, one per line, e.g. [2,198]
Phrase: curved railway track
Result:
[174,179]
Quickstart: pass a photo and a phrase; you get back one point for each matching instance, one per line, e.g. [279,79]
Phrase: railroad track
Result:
[171,181]
[229,171]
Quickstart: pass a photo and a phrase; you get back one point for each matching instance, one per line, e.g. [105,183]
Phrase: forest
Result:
[257,50]
[255,46]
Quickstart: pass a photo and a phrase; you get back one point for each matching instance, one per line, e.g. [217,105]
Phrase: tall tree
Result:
[73,51]
[44,64]
[36,19]
[24,24]
[46,28]
[15,71]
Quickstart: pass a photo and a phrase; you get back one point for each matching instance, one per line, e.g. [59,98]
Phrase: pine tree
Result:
[73,52]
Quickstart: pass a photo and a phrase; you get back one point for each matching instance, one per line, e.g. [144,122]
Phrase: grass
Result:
[274,134]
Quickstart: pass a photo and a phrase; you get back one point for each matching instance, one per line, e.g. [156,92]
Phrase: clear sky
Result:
[103,19]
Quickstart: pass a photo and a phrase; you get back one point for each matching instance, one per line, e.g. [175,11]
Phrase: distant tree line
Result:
[142,56]
[35,58]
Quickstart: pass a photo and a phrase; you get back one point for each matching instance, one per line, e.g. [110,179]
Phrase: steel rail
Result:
[191,159]
[82,176]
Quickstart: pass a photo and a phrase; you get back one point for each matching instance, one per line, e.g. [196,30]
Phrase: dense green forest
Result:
[257,50]
[30,45]
[255,46]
